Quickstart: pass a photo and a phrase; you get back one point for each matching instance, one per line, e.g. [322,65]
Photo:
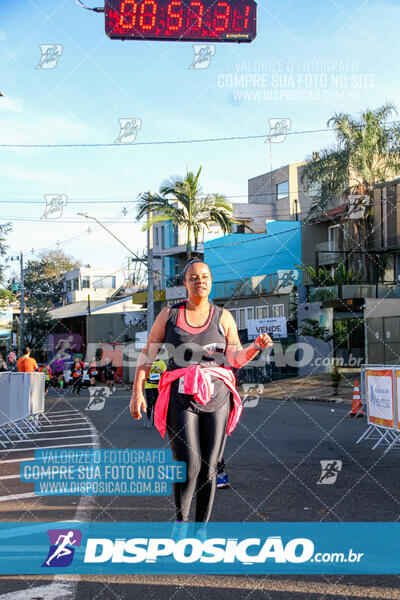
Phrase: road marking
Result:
[18,497]
[44,448]
[61,412]
[63,437]
[63,424]
[58,431]
[54,591]
[13,460]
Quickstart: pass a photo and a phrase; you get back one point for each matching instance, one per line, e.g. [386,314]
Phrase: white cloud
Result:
[12,104]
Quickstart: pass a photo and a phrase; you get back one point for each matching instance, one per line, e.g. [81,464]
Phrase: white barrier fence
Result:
[21,404]
[380,394]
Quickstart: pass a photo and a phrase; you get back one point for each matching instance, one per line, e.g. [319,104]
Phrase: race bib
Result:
[78,373]
[154,377]
[94,373]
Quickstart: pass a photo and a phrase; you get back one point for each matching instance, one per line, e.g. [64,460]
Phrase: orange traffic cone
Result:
[356,405]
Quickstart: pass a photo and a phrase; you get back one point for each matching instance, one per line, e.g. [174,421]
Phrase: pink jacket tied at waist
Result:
[197,383]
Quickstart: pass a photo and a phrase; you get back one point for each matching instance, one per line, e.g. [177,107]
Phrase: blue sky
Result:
[97,81]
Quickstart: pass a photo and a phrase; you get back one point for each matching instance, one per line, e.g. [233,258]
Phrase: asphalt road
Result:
[273,461]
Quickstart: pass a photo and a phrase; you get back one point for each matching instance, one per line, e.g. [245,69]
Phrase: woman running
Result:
[94,372]
[198,404]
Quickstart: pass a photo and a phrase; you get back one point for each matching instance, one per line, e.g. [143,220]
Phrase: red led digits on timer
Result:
[147,18]
[175,15]
[240,22]
[195,19]
[126,13]
[219,20]
[221,16]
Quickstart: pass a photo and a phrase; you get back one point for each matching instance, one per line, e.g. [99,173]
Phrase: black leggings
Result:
[198,439]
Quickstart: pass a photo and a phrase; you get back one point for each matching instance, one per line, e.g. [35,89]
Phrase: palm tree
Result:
[181,201]
[366,152]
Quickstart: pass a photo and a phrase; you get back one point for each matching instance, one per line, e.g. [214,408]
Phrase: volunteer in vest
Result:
[77,374]
[151,388]
[198,404]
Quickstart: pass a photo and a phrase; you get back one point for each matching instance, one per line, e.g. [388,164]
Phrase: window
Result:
[162,237]
[237,228]
[156,236]
[104,282]
[262,312]
[76,284]
[175,235]
[334,237]
[250,313]
[282,190]
[242,318]
[85,282]
[278,310]
[68,285]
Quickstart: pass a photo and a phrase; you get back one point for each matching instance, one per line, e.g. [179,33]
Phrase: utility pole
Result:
[150,280]
[22,305]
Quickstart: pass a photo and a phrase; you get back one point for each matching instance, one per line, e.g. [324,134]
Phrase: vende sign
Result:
[274,327]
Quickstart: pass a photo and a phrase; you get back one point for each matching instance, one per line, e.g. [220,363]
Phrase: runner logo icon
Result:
[62,542]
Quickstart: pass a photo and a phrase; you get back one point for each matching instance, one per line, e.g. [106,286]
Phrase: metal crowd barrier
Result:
[21,405]
[380,397]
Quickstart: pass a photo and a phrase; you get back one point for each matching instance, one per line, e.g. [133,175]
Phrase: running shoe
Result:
[179,531]
[222,480]
[147,425]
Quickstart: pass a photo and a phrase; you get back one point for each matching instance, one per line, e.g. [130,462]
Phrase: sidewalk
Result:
[313,387]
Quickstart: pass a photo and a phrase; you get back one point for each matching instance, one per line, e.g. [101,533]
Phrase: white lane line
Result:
[61,412]
[18,497]
[65,418]
[55,438]
[58,431]
[62,424]
[13,460]
[54,591]
[44,448]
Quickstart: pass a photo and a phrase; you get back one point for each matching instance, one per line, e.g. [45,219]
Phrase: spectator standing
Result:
[3,364]
[12,362]
[27,364]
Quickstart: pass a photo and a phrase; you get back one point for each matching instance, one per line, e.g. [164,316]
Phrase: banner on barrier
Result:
[380,397]
[397,390]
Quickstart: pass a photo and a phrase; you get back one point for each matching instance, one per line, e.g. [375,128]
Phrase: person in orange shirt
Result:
[26,364]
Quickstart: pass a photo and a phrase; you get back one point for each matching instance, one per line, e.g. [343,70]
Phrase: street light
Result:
[150,274]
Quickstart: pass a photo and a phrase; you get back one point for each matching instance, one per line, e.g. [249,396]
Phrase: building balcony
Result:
[252,286]
[349,291]
[329,253]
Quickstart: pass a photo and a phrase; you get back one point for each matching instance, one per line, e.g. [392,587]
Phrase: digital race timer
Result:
[191,20]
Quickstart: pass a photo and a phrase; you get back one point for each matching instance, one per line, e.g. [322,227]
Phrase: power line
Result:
[175,142]
[165,142]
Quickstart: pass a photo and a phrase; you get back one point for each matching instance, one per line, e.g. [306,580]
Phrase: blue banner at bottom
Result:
[221,548]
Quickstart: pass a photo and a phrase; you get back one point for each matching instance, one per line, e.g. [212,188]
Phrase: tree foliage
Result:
[181,202]
[366,152]
[44,287]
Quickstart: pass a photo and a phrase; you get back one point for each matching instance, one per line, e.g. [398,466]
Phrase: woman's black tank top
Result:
[187,345]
